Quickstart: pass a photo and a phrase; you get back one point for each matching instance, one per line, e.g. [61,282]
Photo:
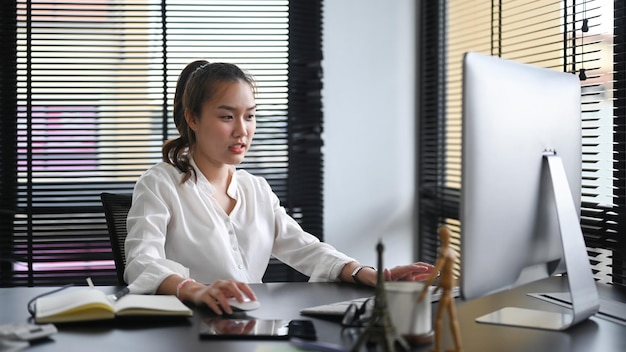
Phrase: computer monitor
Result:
[521,187]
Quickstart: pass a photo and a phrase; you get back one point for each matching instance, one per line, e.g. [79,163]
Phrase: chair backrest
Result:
[116,207]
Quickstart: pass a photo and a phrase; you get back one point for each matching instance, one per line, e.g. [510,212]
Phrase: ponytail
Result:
[176,151]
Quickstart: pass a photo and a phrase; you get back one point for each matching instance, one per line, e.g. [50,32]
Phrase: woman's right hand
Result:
[216,295]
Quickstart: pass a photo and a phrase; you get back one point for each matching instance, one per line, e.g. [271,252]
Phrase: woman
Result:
[201,229]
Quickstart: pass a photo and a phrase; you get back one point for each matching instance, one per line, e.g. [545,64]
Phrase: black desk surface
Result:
[283,301]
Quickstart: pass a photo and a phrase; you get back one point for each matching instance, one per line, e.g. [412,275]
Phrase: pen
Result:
[121,293]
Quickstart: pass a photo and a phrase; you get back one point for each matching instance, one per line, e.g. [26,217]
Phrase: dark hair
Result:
[196,84]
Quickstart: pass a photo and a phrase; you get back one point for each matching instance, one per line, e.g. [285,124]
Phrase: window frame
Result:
[86,238]
[438,203]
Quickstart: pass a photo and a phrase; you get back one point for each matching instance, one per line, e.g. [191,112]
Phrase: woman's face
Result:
[226,125]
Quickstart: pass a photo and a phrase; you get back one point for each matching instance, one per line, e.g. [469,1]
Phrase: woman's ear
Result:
[192,122]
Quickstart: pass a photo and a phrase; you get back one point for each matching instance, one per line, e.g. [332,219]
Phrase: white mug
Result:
[409,317]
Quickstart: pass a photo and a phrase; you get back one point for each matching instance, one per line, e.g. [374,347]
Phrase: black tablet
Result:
[244,328]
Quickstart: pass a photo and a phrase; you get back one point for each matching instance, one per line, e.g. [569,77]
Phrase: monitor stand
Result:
[582,287]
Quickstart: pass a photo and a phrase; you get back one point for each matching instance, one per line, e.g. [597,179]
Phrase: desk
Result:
[283,301]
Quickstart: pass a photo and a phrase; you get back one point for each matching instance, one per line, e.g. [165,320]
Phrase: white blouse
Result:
[176,228]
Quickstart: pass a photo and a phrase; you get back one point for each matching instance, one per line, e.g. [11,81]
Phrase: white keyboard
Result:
[339,308]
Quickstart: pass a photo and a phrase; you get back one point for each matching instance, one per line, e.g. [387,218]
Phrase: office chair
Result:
[116,207]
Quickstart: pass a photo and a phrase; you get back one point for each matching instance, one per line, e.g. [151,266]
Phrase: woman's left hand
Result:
[413,272]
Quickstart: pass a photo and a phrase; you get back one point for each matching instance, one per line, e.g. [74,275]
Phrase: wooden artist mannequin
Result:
[445,265]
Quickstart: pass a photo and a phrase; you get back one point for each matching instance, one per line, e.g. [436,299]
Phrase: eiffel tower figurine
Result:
[379,328]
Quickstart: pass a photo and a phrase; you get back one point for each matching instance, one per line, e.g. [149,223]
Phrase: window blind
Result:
[582,37]
[8,131]
[95,81]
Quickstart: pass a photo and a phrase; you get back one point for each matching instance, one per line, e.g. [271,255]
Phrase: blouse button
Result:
[240,266]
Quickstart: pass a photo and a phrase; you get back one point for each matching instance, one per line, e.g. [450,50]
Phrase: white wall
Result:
[369,112]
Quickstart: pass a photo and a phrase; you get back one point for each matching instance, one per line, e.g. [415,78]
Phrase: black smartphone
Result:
[302,329]
[244,328]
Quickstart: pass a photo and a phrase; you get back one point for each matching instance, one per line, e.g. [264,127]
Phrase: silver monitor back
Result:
[513,114]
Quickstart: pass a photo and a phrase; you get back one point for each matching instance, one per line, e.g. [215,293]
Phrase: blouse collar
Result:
[204,184]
